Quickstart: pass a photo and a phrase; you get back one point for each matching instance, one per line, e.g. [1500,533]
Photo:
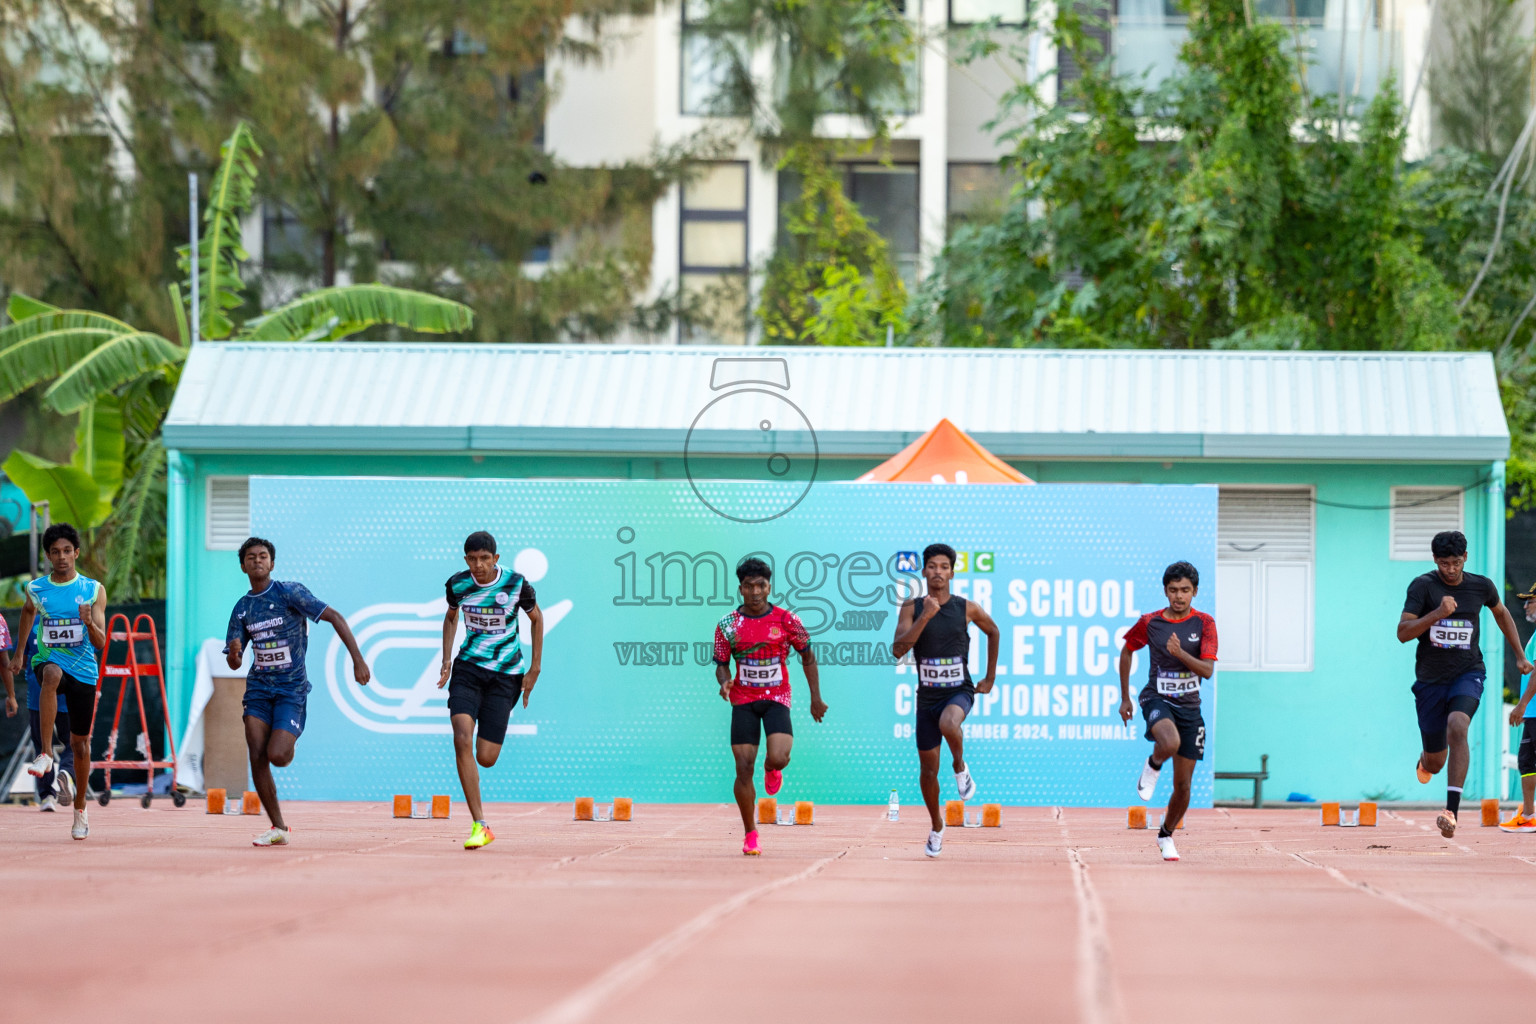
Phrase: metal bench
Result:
[1257,778]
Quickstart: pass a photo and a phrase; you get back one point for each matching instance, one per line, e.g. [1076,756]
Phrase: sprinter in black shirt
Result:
[1442,613]
[937,632]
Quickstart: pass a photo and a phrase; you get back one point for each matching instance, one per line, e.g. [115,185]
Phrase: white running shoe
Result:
[1148,781]
[935,845]
[39,765]
[48,803]
[1166,847]
[81,828]
[965,784]
[273,836]
[64,787]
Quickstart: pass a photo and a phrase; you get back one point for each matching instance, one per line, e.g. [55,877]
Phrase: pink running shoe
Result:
[773,779]
[750,847]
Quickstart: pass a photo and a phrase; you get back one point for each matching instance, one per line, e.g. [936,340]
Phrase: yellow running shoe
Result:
[480,835]
[1519,823]
[1418,768]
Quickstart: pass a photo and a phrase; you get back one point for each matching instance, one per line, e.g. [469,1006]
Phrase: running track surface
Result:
[1060,915]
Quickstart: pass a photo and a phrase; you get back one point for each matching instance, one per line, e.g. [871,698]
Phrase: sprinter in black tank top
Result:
[936,631]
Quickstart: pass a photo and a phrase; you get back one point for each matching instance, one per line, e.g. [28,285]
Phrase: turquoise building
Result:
[1334,470]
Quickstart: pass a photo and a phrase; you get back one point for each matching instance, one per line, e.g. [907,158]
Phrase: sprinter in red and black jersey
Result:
[759,636]
[1181,647]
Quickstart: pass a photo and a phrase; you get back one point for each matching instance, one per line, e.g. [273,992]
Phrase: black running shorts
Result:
[486,696]
[1190,725]
[766,716]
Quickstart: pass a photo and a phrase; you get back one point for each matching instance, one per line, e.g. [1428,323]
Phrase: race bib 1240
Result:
[1177,684]
[942,672]
[1455,633]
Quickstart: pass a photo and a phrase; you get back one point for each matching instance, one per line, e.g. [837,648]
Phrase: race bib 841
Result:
[62,633]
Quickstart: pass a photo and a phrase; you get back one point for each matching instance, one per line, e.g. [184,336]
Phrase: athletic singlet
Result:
[62,637]
[272,626]
[942,651]
[490,617]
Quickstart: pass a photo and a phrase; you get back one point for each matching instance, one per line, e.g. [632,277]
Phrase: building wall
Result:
[1344,730]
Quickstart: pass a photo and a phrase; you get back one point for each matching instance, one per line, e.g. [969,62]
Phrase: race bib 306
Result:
[1455,633]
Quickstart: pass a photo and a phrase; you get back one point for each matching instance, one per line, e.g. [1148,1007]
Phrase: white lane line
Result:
[581,1004]
[1097,993]
[1476,933]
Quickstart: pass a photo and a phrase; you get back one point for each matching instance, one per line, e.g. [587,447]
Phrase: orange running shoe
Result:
[1418,768]
[1446,822]
[1519,823]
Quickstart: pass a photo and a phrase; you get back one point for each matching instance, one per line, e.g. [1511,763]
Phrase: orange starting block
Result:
[1136,817]
[805,812]
[954,814]
[621,809]
[219,803]
[767,810]
[406,808]
[1490,812]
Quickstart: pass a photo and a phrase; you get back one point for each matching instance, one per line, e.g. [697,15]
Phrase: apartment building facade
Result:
[712,234]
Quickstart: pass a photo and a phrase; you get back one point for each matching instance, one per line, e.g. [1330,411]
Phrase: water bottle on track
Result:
[893,813]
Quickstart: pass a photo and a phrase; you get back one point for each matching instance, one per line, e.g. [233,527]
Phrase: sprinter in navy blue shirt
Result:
[273,618]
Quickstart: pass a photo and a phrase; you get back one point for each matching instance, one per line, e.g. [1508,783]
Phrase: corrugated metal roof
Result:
[1021,403]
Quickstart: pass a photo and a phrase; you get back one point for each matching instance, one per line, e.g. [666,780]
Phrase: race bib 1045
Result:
[943,672]
[1177,684]
[760,672]
[1453,633]
[485,620]
[271,657]
[62,633]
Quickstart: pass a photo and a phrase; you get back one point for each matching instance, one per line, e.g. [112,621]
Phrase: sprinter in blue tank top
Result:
[70,612]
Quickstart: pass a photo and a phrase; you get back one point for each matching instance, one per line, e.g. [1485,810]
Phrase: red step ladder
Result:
[143,629]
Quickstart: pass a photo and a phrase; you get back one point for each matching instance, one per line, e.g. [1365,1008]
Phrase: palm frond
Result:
[99,443]
[108,365]
[220,251]
[71,494]
[23,307]
[344,310]
[137,513]
[44,347]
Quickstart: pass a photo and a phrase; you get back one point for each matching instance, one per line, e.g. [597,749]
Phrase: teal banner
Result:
[632,577]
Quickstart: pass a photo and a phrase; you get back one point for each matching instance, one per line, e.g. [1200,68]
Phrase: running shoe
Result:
[750,847]
[1148,781]
[1519,823]
[273,836]
[935,845]
[479,835]
[965,784]
[64,787]
[39,765]
[1418,769]
[48,803]
[1166,848]
[81,827]
[773,778]
[1446,822]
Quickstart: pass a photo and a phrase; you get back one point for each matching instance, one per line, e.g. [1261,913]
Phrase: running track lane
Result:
[1062,915]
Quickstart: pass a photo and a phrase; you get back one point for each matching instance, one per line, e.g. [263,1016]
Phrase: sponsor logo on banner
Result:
[907,561]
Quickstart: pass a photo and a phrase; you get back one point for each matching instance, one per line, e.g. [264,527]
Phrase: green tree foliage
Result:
[120,379]
[1481,76]
[832,279]
[403,140]
[1217,210]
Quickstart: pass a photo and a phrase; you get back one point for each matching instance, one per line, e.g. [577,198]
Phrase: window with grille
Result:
[1418,513]
[1265,544]
[228,513]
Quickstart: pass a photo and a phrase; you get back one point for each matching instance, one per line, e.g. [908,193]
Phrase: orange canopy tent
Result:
[946,454]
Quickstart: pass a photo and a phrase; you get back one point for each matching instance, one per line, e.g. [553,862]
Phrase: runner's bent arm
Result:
[23,630]
[813,681]
[360,670]
[1506,623]
[1127,709]
[908,629]
[96,621]
[536,634]
[977,614]
[1201,667]
[450,630]
[1411,627]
